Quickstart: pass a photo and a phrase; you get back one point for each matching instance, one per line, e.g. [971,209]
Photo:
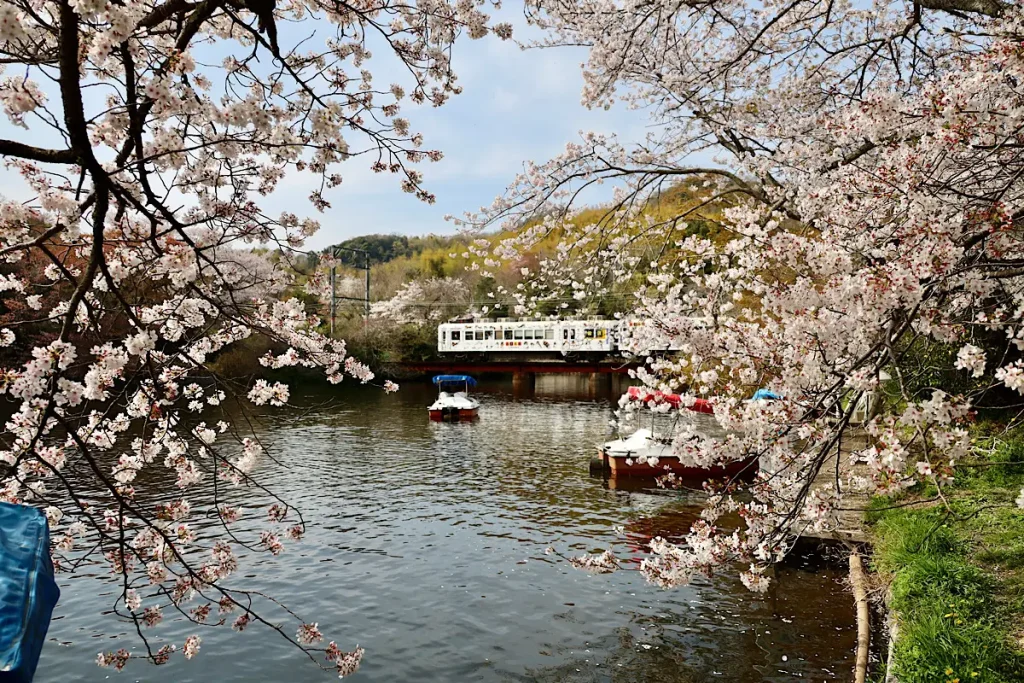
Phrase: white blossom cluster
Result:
[420,302]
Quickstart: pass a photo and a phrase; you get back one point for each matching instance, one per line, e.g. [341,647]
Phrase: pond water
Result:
[425,545]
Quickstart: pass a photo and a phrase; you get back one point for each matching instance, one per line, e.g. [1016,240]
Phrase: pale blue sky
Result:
[517,105]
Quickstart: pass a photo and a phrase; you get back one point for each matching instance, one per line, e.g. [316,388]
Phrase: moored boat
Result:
[649,452]
[453,400]
[641,454]
[699,405]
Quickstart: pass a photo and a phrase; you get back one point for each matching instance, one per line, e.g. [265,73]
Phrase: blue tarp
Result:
[764,394]
[441,379]
[27,590]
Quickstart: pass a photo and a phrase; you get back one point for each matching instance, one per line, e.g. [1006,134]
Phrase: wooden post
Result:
[860,597]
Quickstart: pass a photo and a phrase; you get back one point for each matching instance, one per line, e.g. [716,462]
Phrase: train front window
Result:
[565,334]
[456,335]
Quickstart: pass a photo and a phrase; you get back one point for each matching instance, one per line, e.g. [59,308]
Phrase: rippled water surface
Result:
[425,546]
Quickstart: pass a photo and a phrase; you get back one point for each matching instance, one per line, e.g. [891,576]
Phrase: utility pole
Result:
[334,279]
[334,302]
[366,309]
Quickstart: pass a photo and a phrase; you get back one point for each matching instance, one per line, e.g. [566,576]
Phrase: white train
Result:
[567,336]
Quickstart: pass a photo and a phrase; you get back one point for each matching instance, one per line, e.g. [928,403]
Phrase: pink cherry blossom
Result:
[191,647]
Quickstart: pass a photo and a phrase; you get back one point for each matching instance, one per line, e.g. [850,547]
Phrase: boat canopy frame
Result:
[441,380]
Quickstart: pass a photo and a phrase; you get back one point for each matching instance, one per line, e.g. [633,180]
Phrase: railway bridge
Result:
[524,370]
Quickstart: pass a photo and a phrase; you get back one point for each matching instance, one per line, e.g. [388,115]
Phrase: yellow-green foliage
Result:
[401,259]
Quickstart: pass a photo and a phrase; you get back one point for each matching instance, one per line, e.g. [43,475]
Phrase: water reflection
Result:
[427,549]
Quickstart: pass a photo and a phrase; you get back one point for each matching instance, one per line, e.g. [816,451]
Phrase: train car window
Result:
[588,333]
[456,335]
[479,335]
[527,334]
[519,334]
[549,333]
[508,334]
[601,333]
[488,334]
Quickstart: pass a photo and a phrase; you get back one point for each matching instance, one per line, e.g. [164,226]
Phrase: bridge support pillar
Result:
[599,383]
[523,382]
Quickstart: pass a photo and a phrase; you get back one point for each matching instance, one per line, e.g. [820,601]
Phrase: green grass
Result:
[957,575]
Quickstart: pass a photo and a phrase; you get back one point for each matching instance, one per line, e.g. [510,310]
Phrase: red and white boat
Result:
[453,403]
[648,452]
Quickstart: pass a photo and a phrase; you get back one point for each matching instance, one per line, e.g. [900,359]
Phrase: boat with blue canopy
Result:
[765,395]
[453,400]
[455,379]
[28,591]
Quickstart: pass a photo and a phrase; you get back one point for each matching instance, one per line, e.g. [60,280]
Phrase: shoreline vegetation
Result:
[950,566]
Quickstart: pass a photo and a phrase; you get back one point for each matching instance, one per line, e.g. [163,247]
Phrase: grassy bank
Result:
[956,572]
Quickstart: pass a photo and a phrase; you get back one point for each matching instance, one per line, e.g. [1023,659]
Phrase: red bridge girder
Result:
[514,368]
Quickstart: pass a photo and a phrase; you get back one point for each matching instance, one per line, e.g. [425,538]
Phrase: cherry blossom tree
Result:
[425,302]
[149,131]
[866,165]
